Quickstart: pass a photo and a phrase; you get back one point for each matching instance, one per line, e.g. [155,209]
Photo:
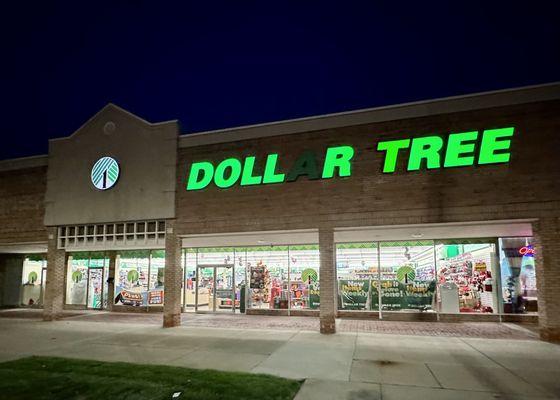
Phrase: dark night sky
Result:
[222,64]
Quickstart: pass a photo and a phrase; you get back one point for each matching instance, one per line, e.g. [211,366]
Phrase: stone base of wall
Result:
[171,320]
[258,311]
[328,324]
[118,308]
[550,334]
[152,309]
[304,313]
[432,317]
[521,318]
[51,317]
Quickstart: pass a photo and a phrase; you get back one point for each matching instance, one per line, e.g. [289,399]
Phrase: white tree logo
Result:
[105,173]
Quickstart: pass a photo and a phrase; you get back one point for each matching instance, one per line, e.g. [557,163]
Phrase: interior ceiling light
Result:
[417,235]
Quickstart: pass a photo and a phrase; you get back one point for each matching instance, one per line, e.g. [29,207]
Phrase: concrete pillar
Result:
[172,277]
[546,234]
[327,280]
[112,255]
[54,288]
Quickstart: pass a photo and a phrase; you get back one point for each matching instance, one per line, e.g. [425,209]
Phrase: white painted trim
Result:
[24,162]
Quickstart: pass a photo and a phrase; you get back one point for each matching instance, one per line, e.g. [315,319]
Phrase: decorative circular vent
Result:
[109,128]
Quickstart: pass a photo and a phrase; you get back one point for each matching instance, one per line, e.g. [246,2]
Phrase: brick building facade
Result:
[42,198]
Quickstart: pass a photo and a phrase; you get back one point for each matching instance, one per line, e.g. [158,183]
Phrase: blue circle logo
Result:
[105,173]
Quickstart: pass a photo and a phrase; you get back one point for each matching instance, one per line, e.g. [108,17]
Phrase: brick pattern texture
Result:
[56,272]
[22,205]
[547,253]
[173,277]
[327,280]
[371,198]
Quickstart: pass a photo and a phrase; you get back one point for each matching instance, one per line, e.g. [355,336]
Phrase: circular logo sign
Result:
[104,173]
[406,274]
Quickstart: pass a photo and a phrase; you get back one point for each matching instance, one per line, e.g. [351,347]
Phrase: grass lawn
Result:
[64,378]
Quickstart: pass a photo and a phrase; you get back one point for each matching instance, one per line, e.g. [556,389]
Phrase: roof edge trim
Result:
[422,108]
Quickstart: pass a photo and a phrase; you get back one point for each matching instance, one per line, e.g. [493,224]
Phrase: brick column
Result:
[327,280]
[111,279]
[172,277]
[546,234]
[54,288]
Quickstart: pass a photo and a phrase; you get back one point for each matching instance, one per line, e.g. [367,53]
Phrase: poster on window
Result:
[257,277]
[129,298]
[353,294]
[413,295]
[155,297]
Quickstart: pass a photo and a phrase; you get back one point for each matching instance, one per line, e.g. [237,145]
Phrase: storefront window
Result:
[268,277]
[189,257]
[131,278]
[518,275]
[240,278]
[156,281]
[304,277]
[358,276]
[33,280]
[466,271]
[87,279]
[407,276]
[215,279]
[77,279]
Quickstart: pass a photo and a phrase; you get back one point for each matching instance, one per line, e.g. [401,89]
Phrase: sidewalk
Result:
[486,330]
[348,365]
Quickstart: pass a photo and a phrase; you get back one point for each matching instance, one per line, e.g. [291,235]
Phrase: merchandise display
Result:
[519,283]
[469,268]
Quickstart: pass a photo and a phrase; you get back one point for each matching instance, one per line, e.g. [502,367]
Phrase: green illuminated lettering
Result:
[338,157]
[197,182]
[306,164]
[425,148]
[223,180]
[493,150]
[391,149]
[458,152]
[270,175]
[247,177]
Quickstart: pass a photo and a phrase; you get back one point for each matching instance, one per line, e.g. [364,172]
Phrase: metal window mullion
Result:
[380,305]
[196,283]
[436,292]
[289,283]
[149,278]
[233,283]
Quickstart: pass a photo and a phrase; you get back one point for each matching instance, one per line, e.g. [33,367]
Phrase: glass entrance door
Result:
[224,299]
[204,299]
[95,295]
[214,288]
